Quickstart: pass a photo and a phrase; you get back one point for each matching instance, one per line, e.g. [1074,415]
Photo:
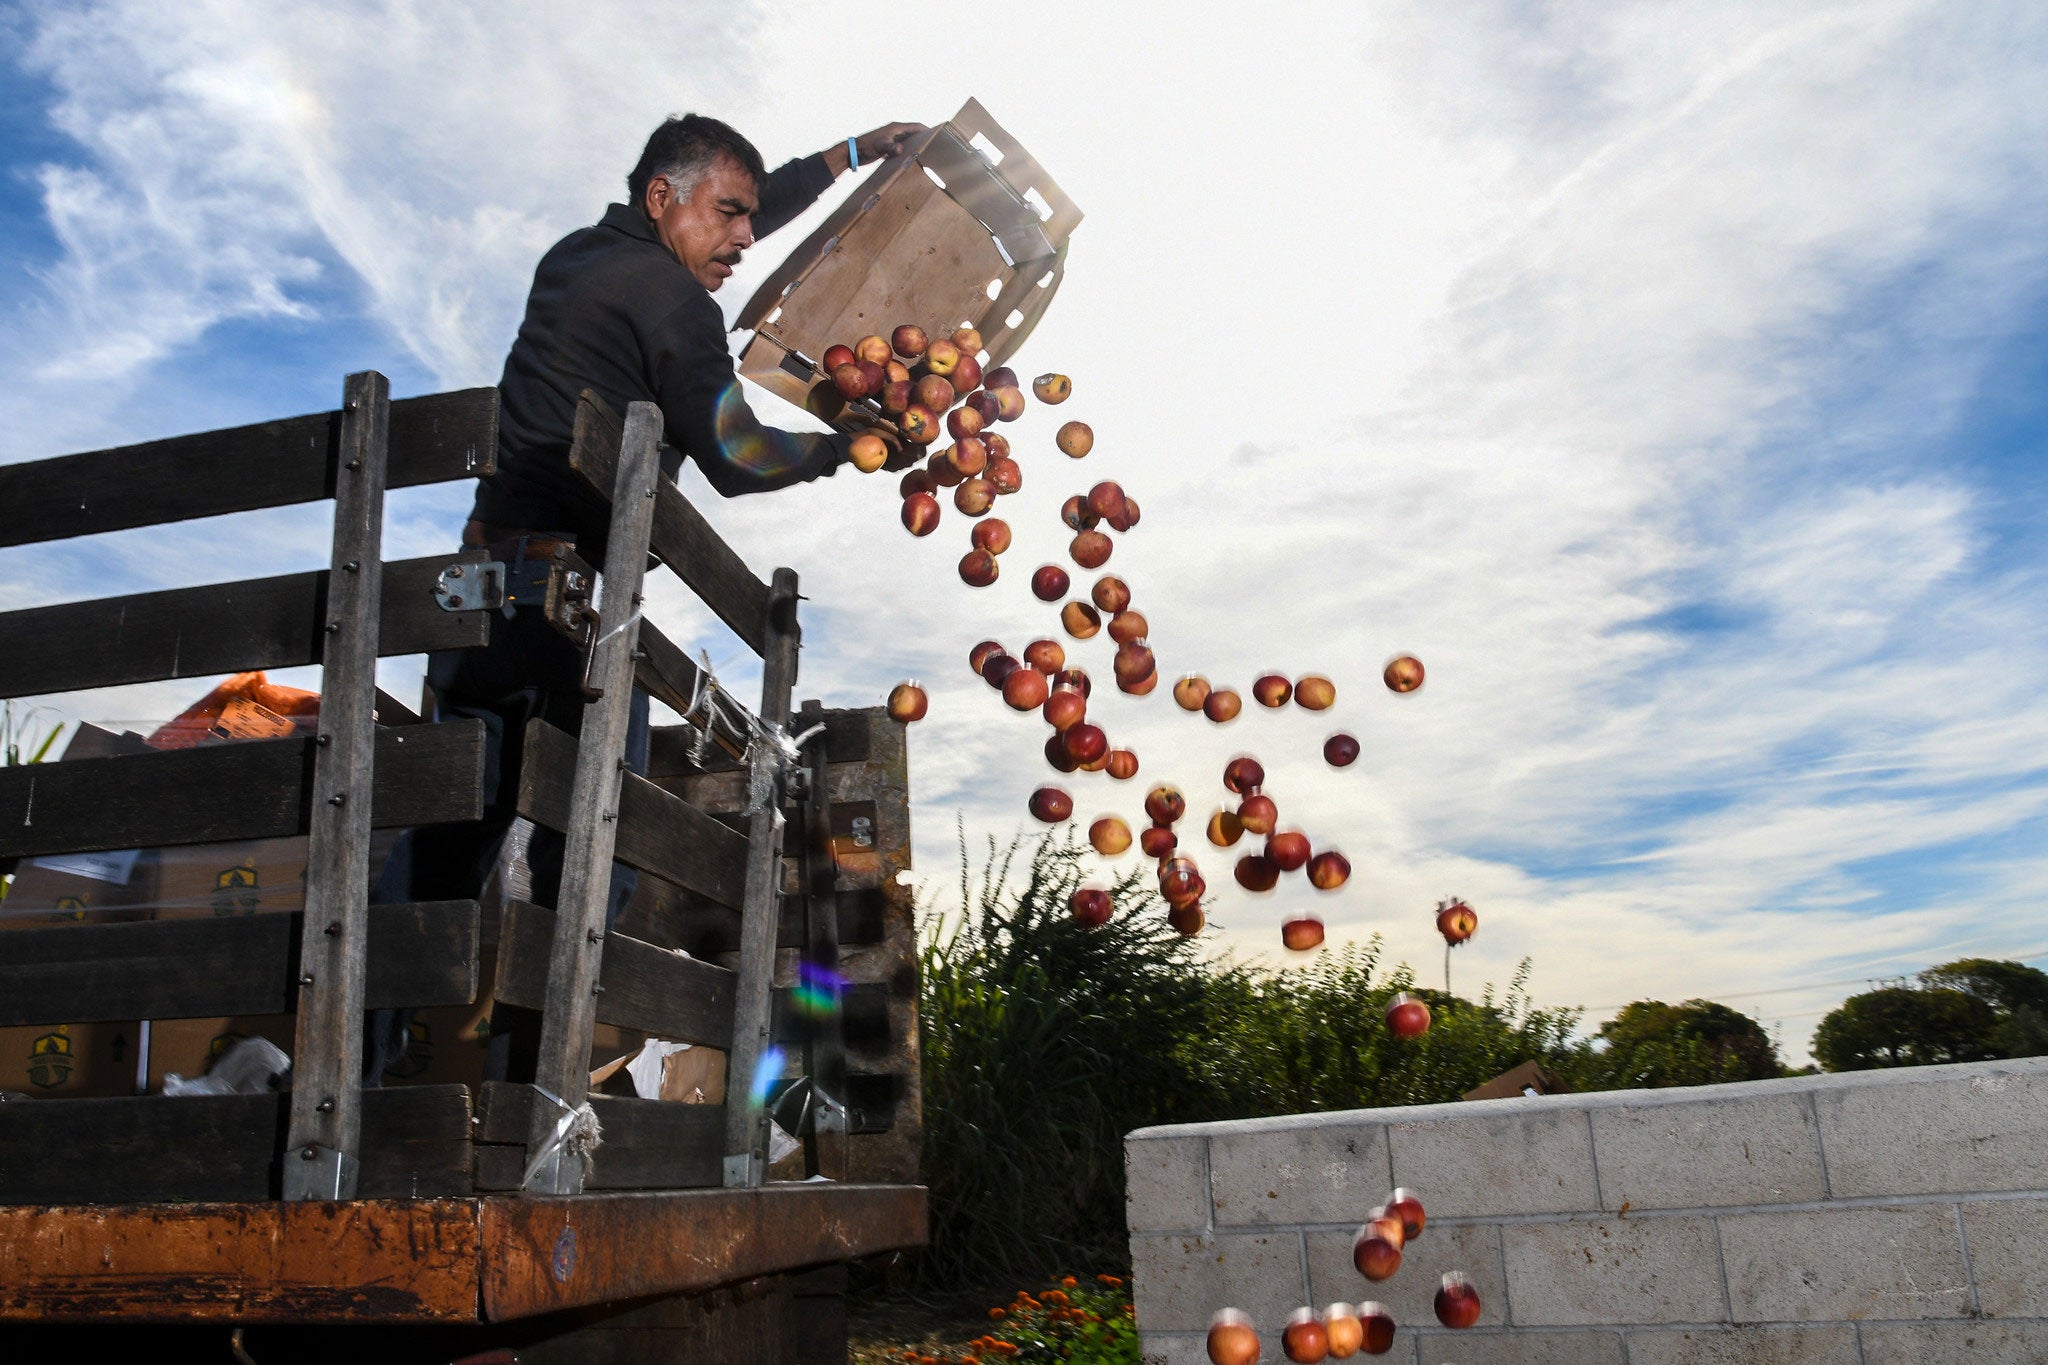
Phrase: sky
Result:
[1669,379]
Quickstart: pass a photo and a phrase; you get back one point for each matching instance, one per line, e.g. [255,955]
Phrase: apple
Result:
[1258,814]
[1457,1300]
[1314,692]
[1456,921]
[1056,752]
[942,357]
[920,514]
[1090,549]
[1090,906]
[1110,593]
[963,421]
[997,668]
[1346,1332]
[998,444]
[1075,439]
[1086,742]
[969,455]
[1077,514]
[1009,404]
[1180,881]
[824,401]
[1288,848]
[1044,655]
[1222,705]
[1049,583]
[1328,870]
[1127,517]
[919,425]
[872,376]
[1065,708]
[1005,473]
[907,703]
[1158,842]
[978,568]
[1191,692]
[868,452]
[966,377]
[895,372]
[1144,686]
[1165,804]
[1001,377]
[1404,673]
[1302,934]
[985,407]
[835,356]
[1187,921]
[1406,1205]
[1123,764]
[1051,804]
[1127,627]
[933,391]
[1224,830]
[978,657]
[1303,1338]
[851,381]
[909,341]
[1340,750]
[992,535]
[1110,836]
[1255,872]
[1106,498]
[1244,775]
[1272,690]
[1378,1321]
[968,340]
[943,472]
[1052,388]
[1097,763]
[1133,664]
[871,350]
[1232,1340]
[1078,679]
[1407,1016]
[896,397]
[1376,1257]
[1080,620]
[1025,690]
[974,496]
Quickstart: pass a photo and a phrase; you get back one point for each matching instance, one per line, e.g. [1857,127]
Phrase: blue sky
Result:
[1671,381]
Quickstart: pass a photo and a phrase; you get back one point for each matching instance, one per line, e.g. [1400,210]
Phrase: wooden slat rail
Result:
[648,1144]
[221,628]
[644,987]
[422,954]
[681,538]
[434,438]
[258,789]
[415,1144]
[669,917]
[657,833]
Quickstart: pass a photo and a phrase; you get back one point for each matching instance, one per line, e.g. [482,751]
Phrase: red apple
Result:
[978,657]
[1090,549]
[1126,627]
[984,405]
[997,668]
[895,372]
[1340,750]
[907,703]
[1165,804]
[1192,692]
[1001,377]
[1086,742]
[1009,404]
[1144,686]
[1457,1301]
[1232,1341]
[872,376]
[1288,848]
[851,381]
[933,391]
[1272,690]
[1075,439]
[1378,1321]
[871,350]
[1406,1205]
[1106,499]
[1097,763]
[1044,655]
[944,473]
[1258,814]
[1404,674]
[1407,1016]
[867,452]
[998,444]
[969,455]
[1222,705]
[963,421]
[966,375]
[968,340]
[1005,473]
[978,568]
[1244,775]
[1110,593]
[1302,934]
[1080,620]
[1158,842]
[920,514]
[1076,678]
[1051,804]
[1056,752]
[1224,830]
[1133,665]
[1314,692]
[975,496]
[1123,764]
[835,356]
[942,357]
[1049,583]
[1025,690]
[1187,921]
[919,425]
[896,397]
[1346,1332]
[909,341]
[992,535]
[1376,1255]
[1090,906]
[1303,1338]
[1110,836]
[1065,708]
[1328,870]
[1127,518]
[1077,514]
[1052,388]
[1255,872]
[1455,921]
[1180,881]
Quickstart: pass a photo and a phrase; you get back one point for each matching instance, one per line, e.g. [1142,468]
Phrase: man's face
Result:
[707,231]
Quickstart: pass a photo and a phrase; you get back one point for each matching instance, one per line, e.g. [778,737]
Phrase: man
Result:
[623,308]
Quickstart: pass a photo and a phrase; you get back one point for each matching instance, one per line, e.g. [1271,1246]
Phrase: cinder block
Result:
[2008,1241]
[1536,1161]
[1181,1281]
[1166,1185]
[1837,1265]
[1976,1133]
[1410,1295]
[1320,1174]
[1707,1154]
[1937,1343]
[1477,1347]
[1157,1348]
[1613,1270]
[1745,1346]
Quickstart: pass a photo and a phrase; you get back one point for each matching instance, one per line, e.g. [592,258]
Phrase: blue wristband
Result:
[853,154]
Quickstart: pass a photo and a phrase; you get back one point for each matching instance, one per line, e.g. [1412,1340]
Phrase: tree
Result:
[1904,1026]
[2017,993]
[1651,1044]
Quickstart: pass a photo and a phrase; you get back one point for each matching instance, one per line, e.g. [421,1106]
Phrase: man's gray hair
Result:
[682,152]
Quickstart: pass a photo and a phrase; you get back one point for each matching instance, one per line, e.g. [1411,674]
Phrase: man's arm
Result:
[795,185]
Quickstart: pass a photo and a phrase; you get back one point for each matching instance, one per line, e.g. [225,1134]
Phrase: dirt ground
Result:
[880,1323]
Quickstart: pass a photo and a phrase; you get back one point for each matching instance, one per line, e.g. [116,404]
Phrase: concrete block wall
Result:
[1861,1219]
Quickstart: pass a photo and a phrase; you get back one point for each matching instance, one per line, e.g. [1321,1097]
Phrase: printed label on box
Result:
[116,867]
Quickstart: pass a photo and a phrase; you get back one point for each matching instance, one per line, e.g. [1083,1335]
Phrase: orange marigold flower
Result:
[1068,1281]
[1112,1281]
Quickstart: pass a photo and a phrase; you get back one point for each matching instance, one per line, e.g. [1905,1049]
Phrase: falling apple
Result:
[1165,804]
[992,535]
[1127,627]
[1232,1341]
[997,668]
[1127,518]
[919,425]
[1258,814]
[1244,775]
[1224,830]
[1106,499]
[964,421]
[1406,1205]
[1314,692]
[1302,934]
[1404,674]
[1076,678]
[1110,836]
[1158,841]
[920,514]
[1346,1332]
[1304,1339]
[1378,1321]
[969,455]
[1056,752]
[1044,655]
[1222,705]
[966,376]
[1187,921]
[1255,872]
[942,471]
[868,452]
[933,392]
[1009,404]
[1005,473]
[1075,439]
[907,703]
[851,381]
[872,349]
[1025,690]
[1052,388]
[1110,594]
[1328,870]
[942,357]
[1455,920]
[1077,514]
[1192,692]
[1288,848]
[1086,743]
[968,340]
[1065,708]
[1376,1250]
[1001,377]
[1407,1016]
[835,356]
[1340,750]
[1272,690]
[978,568]
[1049,583]
[1090,549]
[1457,1300]
[1090,906]
[1123,764]
[909,341]
[1051,804]
[1080,619]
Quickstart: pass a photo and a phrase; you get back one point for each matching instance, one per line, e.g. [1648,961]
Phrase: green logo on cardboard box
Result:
[418,1054]
[236,892]
[49,1060]
[69,908]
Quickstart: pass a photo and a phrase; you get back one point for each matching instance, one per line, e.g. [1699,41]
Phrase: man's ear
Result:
[654,200]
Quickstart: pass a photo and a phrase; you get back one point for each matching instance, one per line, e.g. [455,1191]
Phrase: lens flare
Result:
[817,990]
[744,443]
[766,1073]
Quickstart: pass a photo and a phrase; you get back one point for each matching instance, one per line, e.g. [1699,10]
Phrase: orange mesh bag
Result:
[246,706]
